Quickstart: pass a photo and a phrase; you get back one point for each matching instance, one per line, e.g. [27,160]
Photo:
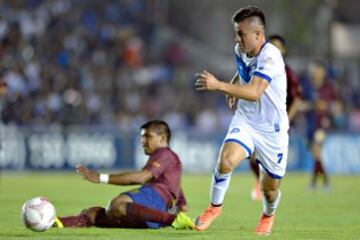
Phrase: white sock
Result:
[219,186]
[269,208]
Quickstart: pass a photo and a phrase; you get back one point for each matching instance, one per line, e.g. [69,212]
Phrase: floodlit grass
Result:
[302,214]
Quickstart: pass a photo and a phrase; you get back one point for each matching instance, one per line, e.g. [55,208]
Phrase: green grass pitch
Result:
[302,214]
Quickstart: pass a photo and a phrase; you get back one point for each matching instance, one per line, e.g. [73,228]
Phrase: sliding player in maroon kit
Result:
[147,206]
[293,102]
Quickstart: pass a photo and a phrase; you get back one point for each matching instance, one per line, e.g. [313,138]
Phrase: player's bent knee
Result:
[230,157]
[116,208]
[225,166]
[228,161]
[92,213]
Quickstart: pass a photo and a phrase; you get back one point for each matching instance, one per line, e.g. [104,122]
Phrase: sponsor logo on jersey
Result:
[235,130]
[156,164]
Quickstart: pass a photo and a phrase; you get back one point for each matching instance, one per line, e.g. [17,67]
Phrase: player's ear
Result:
[163,138]
[257,32]
[284,51]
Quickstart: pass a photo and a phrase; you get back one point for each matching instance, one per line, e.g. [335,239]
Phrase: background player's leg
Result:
[316,148]
[318,170]
[254,166]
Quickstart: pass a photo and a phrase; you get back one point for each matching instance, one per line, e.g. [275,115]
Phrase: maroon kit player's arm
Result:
[181,202]
[294,92]
[3,88]
[131,178]
[127,178]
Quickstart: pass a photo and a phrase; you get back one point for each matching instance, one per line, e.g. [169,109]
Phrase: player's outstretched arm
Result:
[251,92]
[127,178]
[89,175]
[131,178]
[206,81]
[294,108]
[3,88]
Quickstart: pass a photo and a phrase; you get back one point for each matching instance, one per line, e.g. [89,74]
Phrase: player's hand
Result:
[176,209]
[89,175]
[231,102]
[184,208]
[206,81]
[3,88]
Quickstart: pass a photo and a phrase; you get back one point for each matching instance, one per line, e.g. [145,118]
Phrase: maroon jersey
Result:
[166,168]
[324,97]
[293,87]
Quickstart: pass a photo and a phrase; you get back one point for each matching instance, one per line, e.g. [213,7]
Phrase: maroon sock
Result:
[255,168]
[138,212]
[105,221]
[76,221]
[319,170]
[315,172]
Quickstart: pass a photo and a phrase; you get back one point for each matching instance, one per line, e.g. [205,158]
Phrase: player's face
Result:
[151,141]
[246,36]
[317,74]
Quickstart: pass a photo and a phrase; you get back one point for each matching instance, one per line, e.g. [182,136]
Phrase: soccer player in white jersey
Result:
[260,122]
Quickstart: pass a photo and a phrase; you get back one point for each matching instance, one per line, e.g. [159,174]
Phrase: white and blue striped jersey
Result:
[269,113]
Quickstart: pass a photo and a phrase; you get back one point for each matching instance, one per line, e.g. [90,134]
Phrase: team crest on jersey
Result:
[156,164]
[235,130]
[252,67]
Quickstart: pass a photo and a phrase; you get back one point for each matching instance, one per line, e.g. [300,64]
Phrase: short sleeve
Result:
[158,163]
[294,88]
[268,65]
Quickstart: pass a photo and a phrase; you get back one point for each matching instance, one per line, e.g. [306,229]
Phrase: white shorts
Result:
[271,148]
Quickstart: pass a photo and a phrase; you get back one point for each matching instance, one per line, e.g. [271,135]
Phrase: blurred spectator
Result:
[354,121]
[112,63]
[94,62]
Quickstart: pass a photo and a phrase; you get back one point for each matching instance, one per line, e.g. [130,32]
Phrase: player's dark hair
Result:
[247,12]
[158,126]
[278,38]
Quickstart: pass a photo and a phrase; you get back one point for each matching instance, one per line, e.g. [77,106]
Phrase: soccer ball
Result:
[38,214]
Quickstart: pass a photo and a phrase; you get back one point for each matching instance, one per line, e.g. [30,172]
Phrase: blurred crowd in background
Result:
[114,64]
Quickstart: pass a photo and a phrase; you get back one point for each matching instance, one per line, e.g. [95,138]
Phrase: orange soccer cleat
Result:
[207,217]
[265,225]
